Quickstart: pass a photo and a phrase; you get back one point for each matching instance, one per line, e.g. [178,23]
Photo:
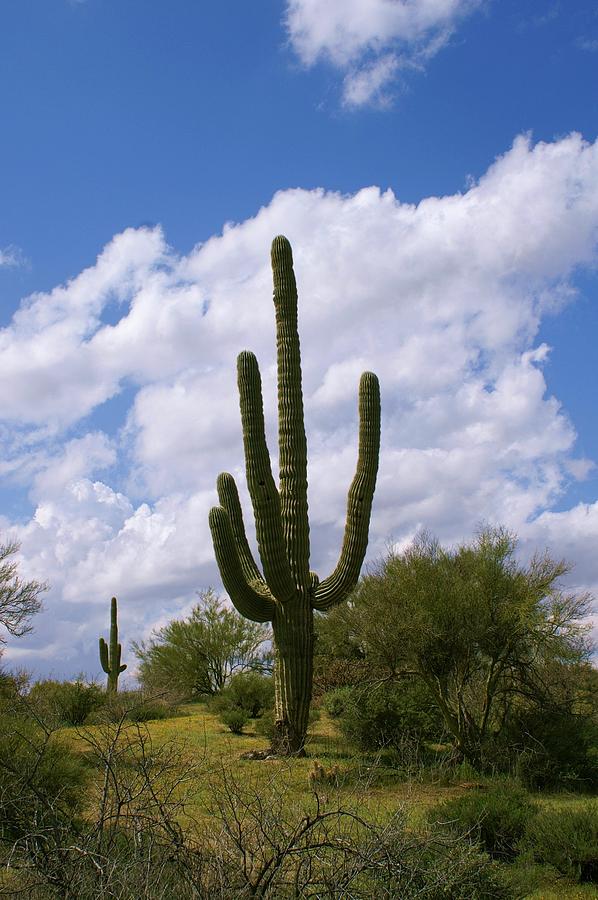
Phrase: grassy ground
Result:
[378,790]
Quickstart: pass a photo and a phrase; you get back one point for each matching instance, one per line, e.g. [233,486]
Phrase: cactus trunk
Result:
[288,592]
[293,674]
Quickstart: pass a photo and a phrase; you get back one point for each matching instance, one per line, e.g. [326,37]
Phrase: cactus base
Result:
[293,675]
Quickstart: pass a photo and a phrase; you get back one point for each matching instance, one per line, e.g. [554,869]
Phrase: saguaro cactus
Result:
[110,654]
[287,592]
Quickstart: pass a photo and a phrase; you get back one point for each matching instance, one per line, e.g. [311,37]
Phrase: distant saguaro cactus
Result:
[110,654]
[287,593]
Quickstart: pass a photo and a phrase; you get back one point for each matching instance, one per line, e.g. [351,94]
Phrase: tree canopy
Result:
[19,600]
[479,627]
[199,655]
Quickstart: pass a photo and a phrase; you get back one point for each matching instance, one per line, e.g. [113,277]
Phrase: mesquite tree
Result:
[288,592]
[110,654]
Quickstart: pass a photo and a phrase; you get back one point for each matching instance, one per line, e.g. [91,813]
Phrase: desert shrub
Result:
[249,691]
[134,706]
[266,726]
[41,779]
[553,747]
[234,719]
[566,838]
[65,702]
[13,684]
[332,672]
[150,710]
[257,841]
[383,716]
[248,696]
[495,817]
[363,859]
[336,701]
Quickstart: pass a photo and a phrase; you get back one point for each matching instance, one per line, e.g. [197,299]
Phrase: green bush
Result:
[66,702]
[335,702]
[234,719]
[12,684]
[134,706]
[496,818]
[386,715]
[566,838]
[249,691]
[266,725]
[554,747]
[41,779]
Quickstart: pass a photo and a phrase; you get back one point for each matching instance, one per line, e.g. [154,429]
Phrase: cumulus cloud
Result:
[442,299]
[371,40]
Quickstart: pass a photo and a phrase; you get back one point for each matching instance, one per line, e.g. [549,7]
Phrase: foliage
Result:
[566,839]
[41,779]
[134,706]
[266,725]
[19,600]
[555,748]
[555,743]
[249,691]
[128,843]
[495,816]
[480,629]
[336,702]
[13,683]
[199,655]
[255,841]
[387,714]
[65,702]
[274,849]
[235,719]
[331,672]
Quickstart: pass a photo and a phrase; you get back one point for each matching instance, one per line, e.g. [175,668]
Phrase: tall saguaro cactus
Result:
[110,654]
[287,592]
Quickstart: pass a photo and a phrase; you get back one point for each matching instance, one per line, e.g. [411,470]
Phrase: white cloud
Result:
[11,257]
[443,300]
[370,40]
[369,84]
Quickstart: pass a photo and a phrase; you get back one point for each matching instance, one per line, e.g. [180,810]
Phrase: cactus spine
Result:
[110,654]
[287,592]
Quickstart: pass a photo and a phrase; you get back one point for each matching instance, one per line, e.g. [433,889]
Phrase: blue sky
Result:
[434,164]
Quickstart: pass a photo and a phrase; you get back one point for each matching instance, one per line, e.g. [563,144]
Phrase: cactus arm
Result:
[341,582]
[104,656]
[291,429]
[262,489]
[252,603]
[124,665]
[229,500]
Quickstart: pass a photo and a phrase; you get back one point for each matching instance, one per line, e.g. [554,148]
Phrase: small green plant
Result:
[266,725]
[249,691]
[566,838]
[335,702]
[235,720]
[495,817]
[110,654]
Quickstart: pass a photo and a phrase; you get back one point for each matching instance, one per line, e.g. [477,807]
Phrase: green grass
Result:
[380,791]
